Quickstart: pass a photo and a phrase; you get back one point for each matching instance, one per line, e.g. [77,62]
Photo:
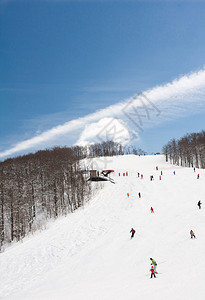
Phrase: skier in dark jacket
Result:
[199,204]
[132,231]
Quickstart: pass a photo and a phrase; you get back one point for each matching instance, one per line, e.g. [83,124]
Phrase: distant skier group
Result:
[153,269]
[132,231]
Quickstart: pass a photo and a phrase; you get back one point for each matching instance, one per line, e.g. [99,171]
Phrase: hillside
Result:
[89,254]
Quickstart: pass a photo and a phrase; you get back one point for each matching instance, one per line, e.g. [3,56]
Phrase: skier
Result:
[139,194]
[174,173]
[128,195]
[192,234]
[154,264]
[132,231]
[138,174]
[161,172]
[160,177]
[199,204]
[152,210]
[157,168]
[194,170]
[197,176]
[141,176]
[152,272]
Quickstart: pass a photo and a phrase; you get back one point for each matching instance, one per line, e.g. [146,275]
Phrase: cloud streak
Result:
[180,92]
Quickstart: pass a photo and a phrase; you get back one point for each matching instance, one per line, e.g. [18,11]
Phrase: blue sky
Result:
[65,60]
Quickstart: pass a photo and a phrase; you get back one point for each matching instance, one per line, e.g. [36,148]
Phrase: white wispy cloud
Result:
[167,100]
[107,129]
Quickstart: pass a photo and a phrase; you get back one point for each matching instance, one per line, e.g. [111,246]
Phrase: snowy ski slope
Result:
[89,255]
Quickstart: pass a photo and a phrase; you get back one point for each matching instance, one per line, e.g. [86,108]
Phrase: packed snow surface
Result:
[89,255]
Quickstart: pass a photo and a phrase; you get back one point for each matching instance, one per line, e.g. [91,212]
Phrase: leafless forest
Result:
[37,187]
[189,151]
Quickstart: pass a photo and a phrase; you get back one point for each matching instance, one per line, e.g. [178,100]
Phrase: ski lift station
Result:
[95,175]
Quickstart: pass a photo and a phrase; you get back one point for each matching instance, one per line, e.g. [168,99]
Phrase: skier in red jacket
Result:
[133,233]
[152,210]
[152,272]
